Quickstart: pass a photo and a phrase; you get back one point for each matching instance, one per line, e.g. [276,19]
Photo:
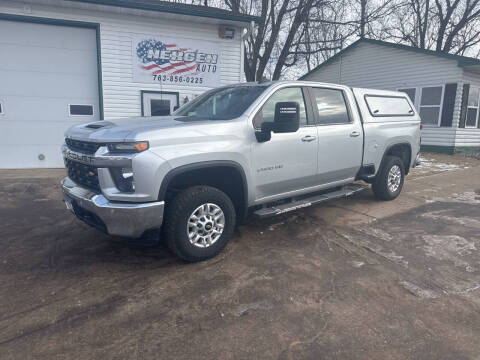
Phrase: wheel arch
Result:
[403,150]
[210,173]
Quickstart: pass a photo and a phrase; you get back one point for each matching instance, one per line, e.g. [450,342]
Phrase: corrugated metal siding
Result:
[121,96]
[381,67]
[469,136]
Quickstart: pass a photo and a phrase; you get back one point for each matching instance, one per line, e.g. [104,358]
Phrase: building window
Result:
[431,105]
[473,107]
[411,92]
[81,110]
[160,107]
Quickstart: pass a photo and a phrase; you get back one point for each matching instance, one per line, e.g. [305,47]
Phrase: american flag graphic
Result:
[158,66]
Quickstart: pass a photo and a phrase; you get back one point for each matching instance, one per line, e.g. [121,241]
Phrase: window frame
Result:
[79,115]
[440,106]
[406,97]
[306,100]
[473,107]
[315,106]
[415,100]
[156,92]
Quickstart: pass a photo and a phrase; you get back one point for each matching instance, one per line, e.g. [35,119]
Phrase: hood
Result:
[126,128]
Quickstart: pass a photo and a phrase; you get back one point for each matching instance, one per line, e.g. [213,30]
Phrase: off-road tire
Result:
[380,185]
[178,212]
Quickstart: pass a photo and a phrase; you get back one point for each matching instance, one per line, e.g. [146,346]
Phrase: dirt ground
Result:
[351,279]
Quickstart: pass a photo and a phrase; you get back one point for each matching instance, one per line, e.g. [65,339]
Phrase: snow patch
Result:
[468,197]
[432,164]
[418,291]
[441,216]
[450,248]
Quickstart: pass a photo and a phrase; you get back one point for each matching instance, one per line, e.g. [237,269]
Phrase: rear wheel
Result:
[389,181]
[199,222]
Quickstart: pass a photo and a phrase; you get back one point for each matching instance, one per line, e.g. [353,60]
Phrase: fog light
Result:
[123,179]
[127,173]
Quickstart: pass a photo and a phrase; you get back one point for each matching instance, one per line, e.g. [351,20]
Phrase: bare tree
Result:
[411,23]
[300,34]
[450,26]
[421,10]
[328,30]
[233,5]
[453,18]
[368,14]
[282,39]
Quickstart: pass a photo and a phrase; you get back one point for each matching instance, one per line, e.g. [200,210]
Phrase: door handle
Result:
[308,138]
[354,134]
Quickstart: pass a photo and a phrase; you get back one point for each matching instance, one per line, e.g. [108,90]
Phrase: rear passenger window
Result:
[331,106]
[379,105]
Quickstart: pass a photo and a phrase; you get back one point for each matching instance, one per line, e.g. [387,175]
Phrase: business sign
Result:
[176,61]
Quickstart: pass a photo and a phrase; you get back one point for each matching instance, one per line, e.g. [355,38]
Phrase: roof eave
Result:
[331,59]
[205,13]
[462,61]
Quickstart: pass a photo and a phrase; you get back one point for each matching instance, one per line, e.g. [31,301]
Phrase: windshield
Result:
[221,104]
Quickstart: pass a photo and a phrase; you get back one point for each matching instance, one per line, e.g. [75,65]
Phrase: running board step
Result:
[312,200]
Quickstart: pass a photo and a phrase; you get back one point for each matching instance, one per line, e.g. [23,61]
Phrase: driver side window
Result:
[267,112]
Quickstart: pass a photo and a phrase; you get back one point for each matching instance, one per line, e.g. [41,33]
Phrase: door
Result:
[157,103]
[48,83]
[340,136]
[288,162]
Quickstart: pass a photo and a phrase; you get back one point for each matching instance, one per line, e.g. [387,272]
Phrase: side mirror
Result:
[287,117]
[286,120]
[175,108]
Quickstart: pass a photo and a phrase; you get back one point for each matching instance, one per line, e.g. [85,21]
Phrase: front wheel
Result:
[199,222]
[389,181]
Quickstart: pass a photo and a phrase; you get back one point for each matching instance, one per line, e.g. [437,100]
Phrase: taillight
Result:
[421,126]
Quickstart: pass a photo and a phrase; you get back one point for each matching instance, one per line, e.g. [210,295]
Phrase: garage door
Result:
[48,82]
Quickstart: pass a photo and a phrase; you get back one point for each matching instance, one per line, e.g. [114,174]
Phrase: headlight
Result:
[123,179]
[128,147]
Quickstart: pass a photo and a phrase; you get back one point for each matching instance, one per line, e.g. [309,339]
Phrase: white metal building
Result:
[443,87]
[67,62]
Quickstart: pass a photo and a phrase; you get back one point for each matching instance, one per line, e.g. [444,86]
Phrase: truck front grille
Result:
[82,174]
[84,147]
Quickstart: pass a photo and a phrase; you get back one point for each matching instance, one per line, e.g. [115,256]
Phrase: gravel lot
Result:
[351,279]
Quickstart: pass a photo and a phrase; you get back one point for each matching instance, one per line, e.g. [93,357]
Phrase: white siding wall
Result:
[469,136]
[121,96]
[382,67]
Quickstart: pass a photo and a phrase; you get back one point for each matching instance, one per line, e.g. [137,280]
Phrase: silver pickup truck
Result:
[252,148]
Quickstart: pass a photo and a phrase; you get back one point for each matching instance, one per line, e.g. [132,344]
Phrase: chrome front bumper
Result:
[115,218]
